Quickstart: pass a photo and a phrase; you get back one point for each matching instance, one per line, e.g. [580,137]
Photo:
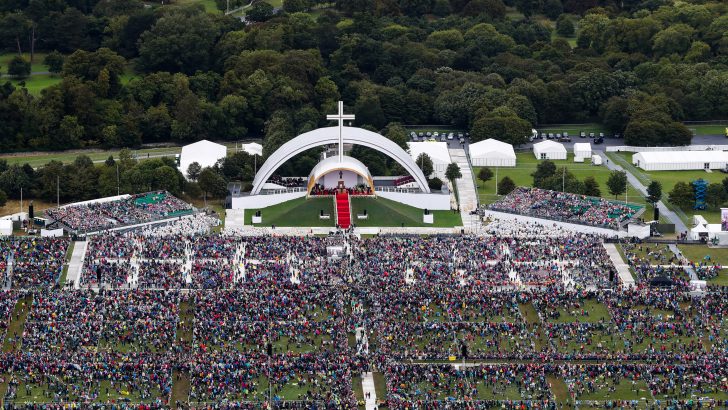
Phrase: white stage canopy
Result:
[492,153]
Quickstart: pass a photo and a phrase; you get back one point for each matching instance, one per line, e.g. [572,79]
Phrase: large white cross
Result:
[340,117]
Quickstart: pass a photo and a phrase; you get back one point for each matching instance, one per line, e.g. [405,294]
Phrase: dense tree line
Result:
[83,179]
[639,66]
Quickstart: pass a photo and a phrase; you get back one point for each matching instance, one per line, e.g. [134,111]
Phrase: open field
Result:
[383,212]
[297,212]
[526,164]
[573,129]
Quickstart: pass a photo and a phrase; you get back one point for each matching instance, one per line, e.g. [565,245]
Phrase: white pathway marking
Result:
[689,269]
[622,268]
[370,394]
[73,275]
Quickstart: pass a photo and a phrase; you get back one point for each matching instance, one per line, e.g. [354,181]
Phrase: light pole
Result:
[118,189]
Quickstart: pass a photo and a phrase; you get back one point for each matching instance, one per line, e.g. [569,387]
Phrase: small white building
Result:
[549,150]
[582,150]
[596,159]
[680,160]
[438,153]
[206,153]
[492,153]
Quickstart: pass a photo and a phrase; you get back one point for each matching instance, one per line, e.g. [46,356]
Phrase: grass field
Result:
[707,129]
[526,164]
[37,65]
[668,179]
[573,129]
[209,5]
[297,212]
[383,212]
[702,253]
[36,82]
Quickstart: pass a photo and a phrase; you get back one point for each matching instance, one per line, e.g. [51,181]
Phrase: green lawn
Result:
[702,253]
[37,65]
[297,212]
[624,390]
[36,83]
[594,311]
[526,164]
[210,5]
[668,179]
[707,129]
[383,212]
[573,129]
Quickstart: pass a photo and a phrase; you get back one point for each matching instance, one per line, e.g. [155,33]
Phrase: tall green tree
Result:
[715,195]
[453,172]
[506,185]
[485,174]
[617,183]
[682,195]
[654,192]
[425,163]
[591,187]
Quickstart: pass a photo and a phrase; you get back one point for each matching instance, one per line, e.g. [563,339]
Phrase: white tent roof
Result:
[253,149]
[582,146]
[549,146]
[493,149]
[437,151]
[681,157]
[206,153]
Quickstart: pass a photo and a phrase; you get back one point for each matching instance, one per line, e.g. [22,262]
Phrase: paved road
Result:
[622,268]
[76,264]
[664,210]
[466,187]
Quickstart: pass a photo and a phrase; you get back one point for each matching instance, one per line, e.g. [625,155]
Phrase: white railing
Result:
[630,148]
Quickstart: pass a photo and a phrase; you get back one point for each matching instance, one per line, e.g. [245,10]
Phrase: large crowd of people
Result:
[566,207]
[135,209]
[252,320]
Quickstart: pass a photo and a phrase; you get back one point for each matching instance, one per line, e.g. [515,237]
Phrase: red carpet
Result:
[343,213]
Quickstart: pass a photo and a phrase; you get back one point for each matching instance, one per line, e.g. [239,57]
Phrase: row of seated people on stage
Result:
[288,182]
[320,190]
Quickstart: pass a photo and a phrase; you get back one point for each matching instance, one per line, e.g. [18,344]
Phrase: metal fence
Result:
[631,148]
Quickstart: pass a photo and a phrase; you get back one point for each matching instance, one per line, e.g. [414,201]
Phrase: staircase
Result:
[343,210]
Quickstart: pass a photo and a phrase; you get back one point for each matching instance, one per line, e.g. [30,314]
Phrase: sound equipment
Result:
[657,214]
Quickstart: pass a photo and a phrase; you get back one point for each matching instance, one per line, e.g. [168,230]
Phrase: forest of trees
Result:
[493,67]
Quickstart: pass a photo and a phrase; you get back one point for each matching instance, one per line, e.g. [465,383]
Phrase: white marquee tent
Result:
[549,150]
[680,160]
[437,151]
[582,150]
[252,148]
[492,153]
[206,153]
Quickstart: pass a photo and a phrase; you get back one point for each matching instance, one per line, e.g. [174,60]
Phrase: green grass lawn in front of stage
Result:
[296,213]
[384,212]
